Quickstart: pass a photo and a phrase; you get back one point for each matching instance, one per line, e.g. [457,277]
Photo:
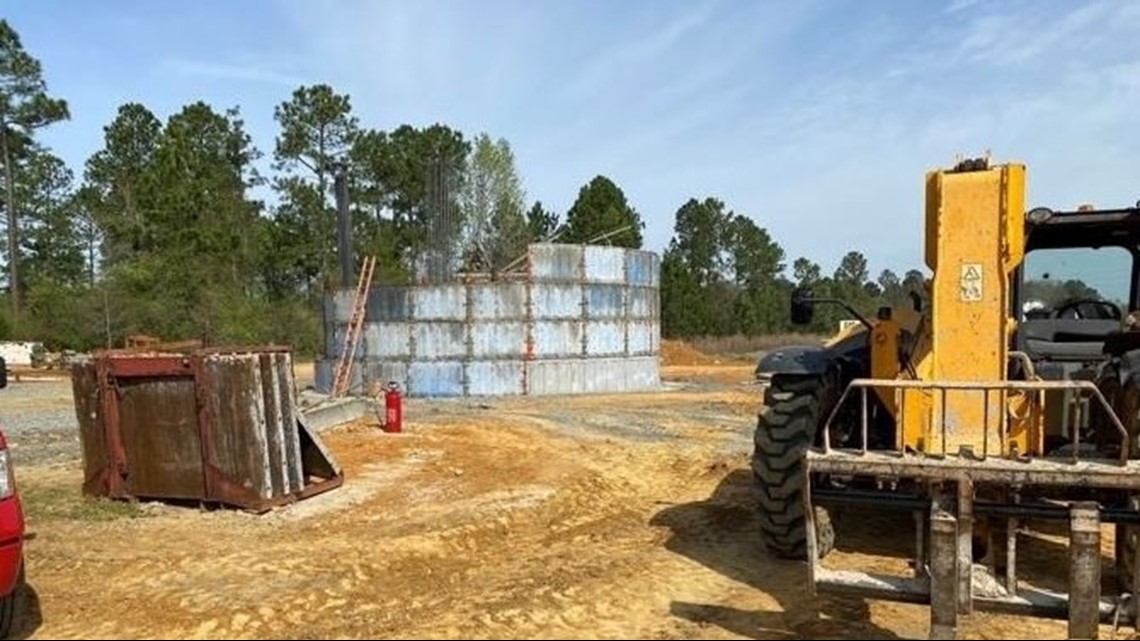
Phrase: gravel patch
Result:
[38,420]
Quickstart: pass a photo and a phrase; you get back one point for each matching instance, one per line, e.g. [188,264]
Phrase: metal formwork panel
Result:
[579,302]
[497,339]
[211,424]
[641,268]
[329,312]
[89,413]
[362,376]
[557,338]
[604,338]
[245,450]
[442,378]
[591,370]
[323,373]
[604,264]
[383,372]
[439,302]
[342,306]
[641,302]
[495,378]
[556,262]
[499,301]
[386,340]
[654,296]
[553,300]
[165,449]
[605,301]
[440,340]
[606,375]
[623,375]
[334,340]
[387,304]
[555,376]
[640,337]
[642,373]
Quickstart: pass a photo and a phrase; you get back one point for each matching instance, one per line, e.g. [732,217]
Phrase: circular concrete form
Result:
[579,319]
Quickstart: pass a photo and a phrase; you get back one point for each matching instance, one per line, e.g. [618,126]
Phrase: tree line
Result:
[162,230]
[722,274]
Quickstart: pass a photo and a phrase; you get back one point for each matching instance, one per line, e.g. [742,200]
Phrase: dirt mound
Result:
[681,353]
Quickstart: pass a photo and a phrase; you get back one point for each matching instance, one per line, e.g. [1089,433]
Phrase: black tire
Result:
[1124,399]
[1125,556]
[794,409]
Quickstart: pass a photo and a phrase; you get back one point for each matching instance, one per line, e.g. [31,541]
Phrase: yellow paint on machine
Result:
[885,359]
[971,252]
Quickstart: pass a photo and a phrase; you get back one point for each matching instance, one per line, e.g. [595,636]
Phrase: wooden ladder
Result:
[355,323]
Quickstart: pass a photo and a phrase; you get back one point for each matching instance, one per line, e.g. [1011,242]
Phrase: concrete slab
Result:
[326,414]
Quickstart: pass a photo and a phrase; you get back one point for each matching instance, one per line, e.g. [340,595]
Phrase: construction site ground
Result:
[622,516]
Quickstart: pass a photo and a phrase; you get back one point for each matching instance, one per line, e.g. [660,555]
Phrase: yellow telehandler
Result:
[1004,398]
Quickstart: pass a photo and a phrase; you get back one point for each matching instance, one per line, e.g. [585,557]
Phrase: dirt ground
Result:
[573,517]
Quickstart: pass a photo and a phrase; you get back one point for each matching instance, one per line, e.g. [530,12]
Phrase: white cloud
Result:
[639,51]
[958,6]
[817,120]
[230,71]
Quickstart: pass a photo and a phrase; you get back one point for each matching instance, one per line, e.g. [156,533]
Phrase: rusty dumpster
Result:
[214,425]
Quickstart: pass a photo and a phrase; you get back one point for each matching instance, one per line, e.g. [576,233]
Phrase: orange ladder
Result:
[355,324]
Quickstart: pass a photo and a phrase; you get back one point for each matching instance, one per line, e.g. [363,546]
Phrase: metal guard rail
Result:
[986,387]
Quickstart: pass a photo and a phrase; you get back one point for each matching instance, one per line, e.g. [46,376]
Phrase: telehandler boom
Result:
[1010,398]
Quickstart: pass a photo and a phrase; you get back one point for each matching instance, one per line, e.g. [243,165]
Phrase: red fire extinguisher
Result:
[394,408]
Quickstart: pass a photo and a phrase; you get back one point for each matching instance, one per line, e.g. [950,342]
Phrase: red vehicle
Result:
[11,532]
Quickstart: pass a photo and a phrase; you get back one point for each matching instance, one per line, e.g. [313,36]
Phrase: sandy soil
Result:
[605,517]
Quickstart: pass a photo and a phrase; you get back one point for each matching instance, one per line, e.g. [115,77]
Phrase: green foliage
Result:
[52,501]
[758,264]
[492,206]
[703,238]
[317,129]
[24,102]
[681,312]
[162,236]
[890,287]
[722,275]
[117,182]
[25,106]
[63,316]
[318,133]
[601,212]
[51,244]
[1054,293]
[182,240]
[540,223]
[806,273]
[417,176]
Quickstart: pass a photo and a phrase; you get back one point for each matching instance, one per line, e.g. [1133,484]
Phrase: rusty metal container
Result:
[214,425]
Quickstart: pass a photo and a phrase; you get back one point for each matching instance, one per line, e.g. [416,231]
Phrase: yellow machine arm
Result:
[974,241]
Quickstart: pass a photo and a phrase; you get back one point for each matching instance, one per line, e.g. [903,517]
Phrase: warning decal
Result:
[971,282]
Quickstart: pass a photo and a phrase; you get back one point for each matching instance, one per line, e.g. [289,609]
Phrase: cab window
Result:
[1055,281]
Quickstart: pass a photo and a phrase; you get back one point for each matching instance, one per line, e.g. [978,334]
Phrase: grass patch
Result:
[64,503]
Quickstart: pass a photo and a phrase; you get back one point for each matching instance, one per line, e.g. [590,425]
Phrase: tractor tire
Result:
[1125,557]
[794,410]
[1126,540]
[1125,401]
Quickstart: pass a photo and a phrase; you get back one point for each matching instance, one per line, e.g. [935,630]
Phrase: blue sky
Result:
[816,118]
